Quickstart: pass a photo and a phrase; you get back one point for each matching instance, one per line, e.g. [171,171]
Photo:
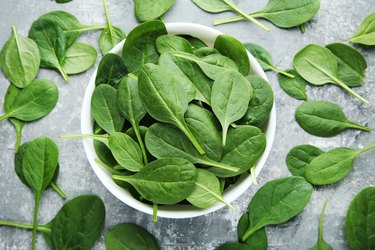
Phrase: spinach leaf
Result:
[129,236]
[300,157]
[39,164]
[163,140]
[110,35]
[257,241]
[146,10]
[233,246]
[332,166]
[245,145]
[140,45]
[324,119]
[205,51]
[205,127]
[131,107]
[79,58]
[264,58]
[33,102]
[230,97]
[207,190]
[52,44]
[366,32]
[260,105]
[196,43]
[322,244]
[294,87]
[164,181]
[164,99]
[359,221]
[19,59]
[351,65]
[111,70]
[105,109]
[104,153]
[289,195]
[171,43]
[318,66]
[232,48]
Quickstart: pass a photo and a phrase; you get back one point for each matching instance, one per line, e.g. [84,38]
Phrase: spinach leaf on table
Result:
[146,10]
[19,59]
[257,241]
[207,190]
[322,244]
[261,104]
[360,221]
[294,87]
[332,166]
[164,181]
[289,194]
[79,58]
[230,97]
[318,66]
[140,45]
[351,65]
[366,32]
[164,99]
[232,48]
[300,157]
[111,70]
[129,236]
[324,119]
[171,43]
[33,102]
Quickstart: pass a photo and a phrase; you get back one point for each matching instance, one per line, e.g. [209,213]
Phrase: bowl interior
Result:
[208,35]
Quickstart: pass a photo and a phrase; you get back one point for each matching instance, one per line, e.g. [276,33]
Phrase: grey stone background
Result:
[336,21]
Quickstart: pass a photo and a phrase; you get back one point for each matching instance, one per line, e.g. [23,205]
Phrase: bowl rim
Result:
[208,35]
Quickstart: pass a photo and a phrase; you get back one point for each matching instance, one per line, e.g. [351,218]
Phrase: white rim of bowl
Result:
[173,211]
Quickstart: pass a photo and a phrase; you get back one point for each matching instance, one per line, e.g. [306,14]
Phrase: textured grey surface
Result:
[336,22]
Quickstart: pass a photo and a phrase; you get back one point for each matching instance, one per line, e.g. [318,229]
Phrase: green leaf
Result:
[257,241]
[129,236]
[146,10]
[366,32]
[322,244]
[111,70]
[196,43]
[294,87]
[164,181]
[171,43]
[324,119]
[205,51]
[110,38]
[359,221]
[299,157]
[230,97]
[79,58]
[19,59]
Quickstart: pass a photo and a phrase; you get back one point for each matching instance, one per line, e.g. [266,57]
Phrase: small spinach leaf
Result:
[171,43]
[299,157]
[146,10]
[294,87]
[366,32]
[111,70]
[79,58]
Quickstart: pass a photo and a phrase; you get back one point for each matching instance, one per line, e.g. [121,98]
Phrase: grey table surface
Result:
[336,21]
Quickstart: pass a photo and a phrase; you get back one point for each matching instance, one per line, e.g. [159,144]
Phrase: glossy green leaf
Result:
[205,51]
[366,32]
[299,157]
[321,244]
[171,43]
[195,42]
[79,58]
[146,10]
[257,241]
[294,87]
[110,38]
[111,70]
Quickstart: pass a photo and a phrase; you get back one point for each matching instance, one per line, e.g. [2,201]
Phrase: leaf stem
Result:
[183,127]
[155,212]
[108,168]
[349,90]
[249,233]
[281,71]
[367,148]
[102,138]
[219,165]
[253,176]
[140,141]
[58,190]
[357,126]
[63,73]
[35,219]
[18,127]
[5,116]
[86,28]
[321,221]
[109,25]
[39,228]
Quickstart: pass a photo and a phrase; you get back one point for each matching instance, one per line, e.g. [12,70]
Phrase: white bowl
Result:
[208,35]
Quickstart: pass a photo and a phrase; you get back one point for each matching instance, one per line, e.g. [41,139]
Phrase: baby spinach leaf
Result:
[146,10]
[79,58]
[164,181]
[260,105]
[366,32]
[19,59]
[196,43]
[318,66]
[277,202]
[129,236]
[104,153]
[299,157]
[332,166]
[230,97]
[351,65]
[105,109]
[140,45]
[164,98]
[257,241]
[233,246]
[33,102]
[359,221]
[163,140]
[232,48]
[324,119]
[171,43]
[52,44]
[264,58]
[207,190]
[205,51]
[245,145]
[205,127]
[294,87]
[111,70]
[322,244]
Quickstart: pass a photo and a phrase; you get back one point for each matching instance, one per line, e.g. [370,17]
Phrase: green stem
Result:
[155,212]
[357,126]
[253,176]
[140,141]
[191,137]
[5,116]
[108,168]
[302,27]
[162,19]
[366,149]
[102,138]
[35,219]
[86,28]
[121,177]
[320,232]
[63,73]
[25,226]
[281,71]
[219,165]
[249,233]
[109,25]
[18,127]
[225,131]
[349,90]
[58,190]
[218,197]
